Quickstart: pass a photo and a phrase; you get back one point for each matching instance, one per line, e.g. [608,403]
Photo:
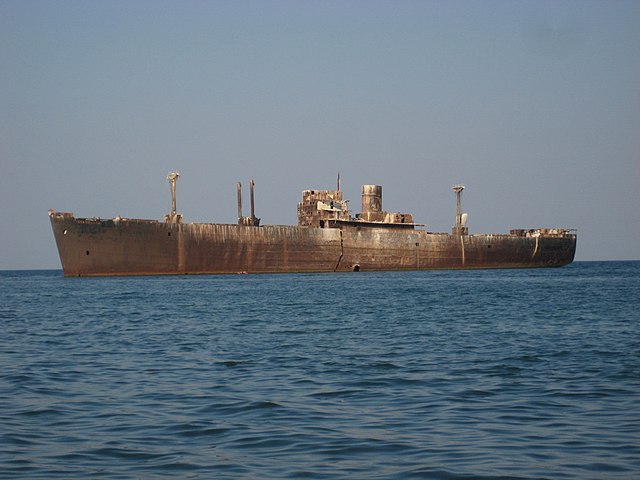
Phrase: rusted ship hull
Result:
[95,247]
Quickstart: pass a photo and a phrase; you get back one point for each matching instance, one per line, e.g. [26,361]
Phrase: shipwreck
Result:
[327,238]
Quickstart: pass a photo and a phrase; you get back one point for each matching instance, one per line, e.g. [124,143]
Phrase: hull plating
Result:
[93,247]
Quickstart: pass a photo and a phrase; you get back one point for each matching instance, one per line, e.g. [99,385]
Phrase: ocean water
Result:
[522,374]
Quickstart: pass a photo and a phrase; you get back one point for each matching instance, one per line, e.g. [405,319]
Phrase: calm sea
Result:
[522,374]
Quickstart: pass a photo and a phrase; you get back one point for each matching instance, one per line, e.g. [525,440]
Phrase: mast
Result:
[174,216]
[459,228]
[253,212]
[239,201]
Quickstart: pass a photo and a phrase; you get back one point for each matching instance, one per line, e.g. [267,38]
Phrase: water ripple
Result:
[438,375]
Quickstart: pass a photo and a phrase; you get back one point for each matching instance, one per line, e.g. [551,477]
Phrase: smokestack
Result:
[371,199]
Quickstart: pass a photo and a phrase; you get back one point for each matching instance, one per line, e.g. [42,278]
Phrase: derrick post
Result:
[459,228]
[174,216]
[253,213]
[239,202]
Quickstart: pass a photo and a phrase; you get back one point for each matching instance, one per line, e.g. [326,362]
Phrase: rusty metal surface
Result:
[326,239]
[319,206]
[146,247]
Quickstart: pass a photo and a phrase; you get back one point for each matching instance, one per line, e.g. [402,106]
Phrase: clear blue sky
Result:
[535,106]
